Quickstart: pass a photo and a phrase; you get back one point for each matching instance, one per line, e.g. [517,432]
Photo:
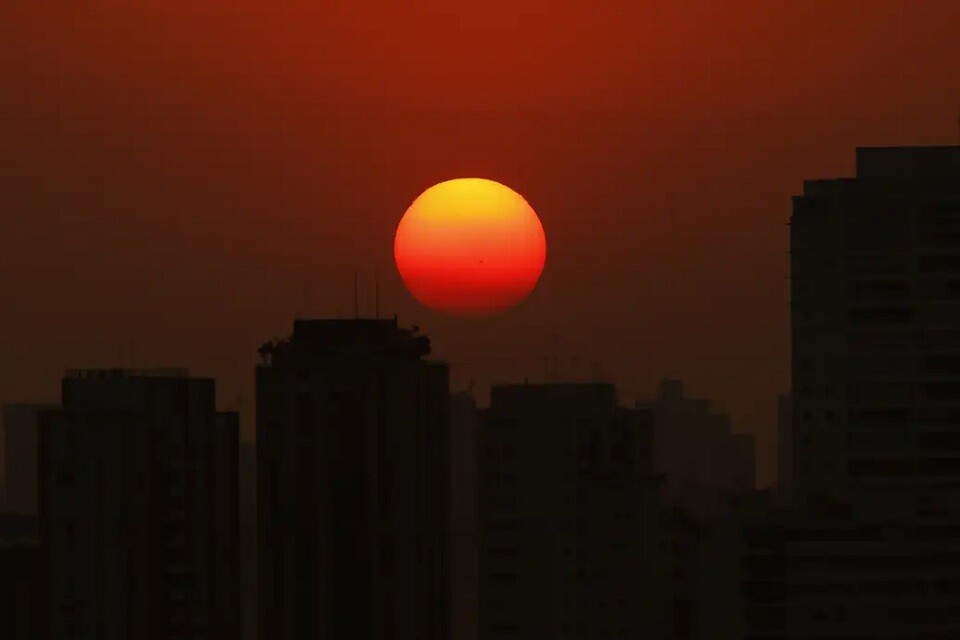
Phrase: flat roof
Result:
[160,372]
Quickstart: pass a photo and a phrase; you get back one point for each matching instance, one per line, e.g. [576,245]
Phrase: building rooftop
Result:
[113,374]
[349,337]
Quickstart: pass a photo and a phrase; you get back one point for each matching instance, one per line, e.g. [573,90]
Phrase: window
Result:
[874,290]
[880,468]
[880,315]
[942,391]
[943,365]
[940,263]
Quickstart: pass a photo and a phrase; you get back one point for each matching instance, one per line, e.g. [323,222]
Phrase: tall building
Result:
[677,557]
[567,515]
[138,508]
[463,516]
[353,489]
[701,460]
[789,575]
[875,308]
[20,423]
[784,448]
[247,486]
[21,583]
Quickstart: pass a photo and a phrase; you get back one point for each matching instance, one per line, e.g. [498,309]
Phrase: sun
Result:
[470,246]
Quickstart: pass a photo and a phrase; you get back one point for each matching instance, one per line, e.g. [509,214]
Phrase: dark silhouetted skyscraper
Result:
[875,297]
[567,515]
[248,539]
[21,578]
[784,448]
[352,466]
[463,516]
[20,425]
[700,458]
[871,444]
[138,508]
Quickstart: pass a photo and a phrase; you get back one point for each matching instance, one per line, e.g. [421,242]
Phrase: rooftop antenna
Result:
[555,347]
[376,295]
[356,293]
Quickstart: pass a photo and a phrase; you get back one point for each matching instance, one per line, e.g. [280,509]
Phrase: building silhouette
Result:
[783,573]
[701,460]
[875,309]
[21,584]
[567,515]
[464,534]
[20,424]
[785,448]
[678,571]
[870,433]
[138,508]
[353,486]
[247,487]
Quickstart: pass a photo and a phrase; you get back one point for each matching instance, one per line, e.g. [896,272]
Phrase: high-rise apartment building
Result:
[567,515]
[701,459]
[353,484]
[247,488]
[138,508]
[463,516]
[20,425]
[875,304]
[21,579]
[784,448]
[789,575]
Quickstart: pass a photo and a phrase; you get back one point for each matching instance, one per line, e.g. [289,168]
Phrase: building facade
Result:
[21,578]
[567,510]
[353,484]
[784,448]
[875,309]
[138,508]
[20,425]
[701,459]
[464,534]
[247,483]
[870,433]
[795,575]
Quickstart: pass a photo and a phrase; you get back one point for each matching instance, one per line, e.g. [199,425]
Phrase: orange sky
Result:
[175,173]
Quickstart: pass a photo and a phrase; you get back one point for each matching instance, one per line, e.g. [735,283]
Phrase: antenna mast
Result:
[356,293]
[376,295]
[556,356]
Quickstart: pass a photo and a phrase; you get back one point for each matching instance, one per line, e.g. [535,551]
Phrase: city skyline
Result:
[213,171]
[552,367]
[556,509]
[491,321]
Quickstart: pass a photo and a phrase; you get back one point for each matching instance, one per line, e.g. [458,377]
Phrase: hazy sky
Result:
[179,180]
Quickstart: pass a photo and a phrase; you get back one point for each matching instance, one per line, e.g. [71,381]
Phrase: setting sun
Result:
[470,246]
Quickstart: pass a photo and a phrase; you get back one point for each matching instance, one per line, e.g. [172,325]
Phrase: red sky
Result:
[174,173]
